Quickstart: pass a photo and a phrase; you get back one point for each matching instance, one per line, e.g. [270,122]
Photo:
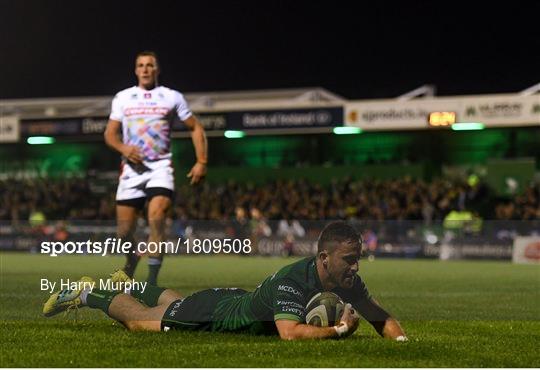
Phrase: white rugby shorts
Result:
[132,185]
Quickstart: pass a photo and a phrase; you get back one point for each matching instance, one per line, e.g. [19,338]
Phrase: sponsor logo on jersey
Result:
[148,95]
[289,289]
[293,310]
[289,303]
[146,111]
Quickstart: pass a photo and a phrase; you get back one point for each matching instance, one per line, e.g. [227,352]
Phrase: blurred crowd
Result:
[285,200]
[54,199]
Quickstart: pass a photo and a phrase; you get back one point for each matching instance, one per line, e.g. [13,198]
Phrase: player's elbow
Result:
[111,132]
[196,127]
[287,335]
[287,332]
[107,136]
[292,333]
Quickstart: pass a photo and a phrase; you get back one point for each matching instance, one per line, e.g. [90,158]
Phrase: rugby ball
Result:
[324,309]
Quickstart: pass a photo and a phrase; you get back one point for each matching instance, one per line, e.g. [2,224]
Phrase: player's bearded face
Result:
[343,264]
[146,70]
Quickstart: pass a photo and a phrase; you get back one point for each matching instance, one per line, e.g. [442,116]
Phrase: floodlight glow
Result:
[233,134]
[463,126]
[40,140]
[347,130]
[441,118]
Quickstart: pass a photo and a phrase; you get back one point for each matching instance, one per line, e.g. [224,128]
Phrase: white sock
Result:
[154,261]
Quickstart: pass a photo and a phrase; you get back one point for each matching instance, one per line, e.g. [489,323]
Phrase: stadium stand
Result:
[400,199]
[413,184]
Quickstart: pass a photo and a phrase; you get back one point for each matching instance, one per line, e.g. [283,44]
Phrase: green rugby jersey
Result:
[284,295]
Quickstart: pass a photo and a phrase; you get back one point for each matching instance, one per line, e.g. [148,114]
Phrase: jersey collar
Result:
[140,89]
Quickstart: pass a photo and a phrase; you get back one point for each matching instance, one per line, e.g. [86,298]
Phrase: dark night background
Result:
[74,48]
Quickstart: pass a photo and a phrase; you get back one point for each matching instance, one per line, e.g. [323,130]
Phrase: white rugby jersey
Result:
[147,117]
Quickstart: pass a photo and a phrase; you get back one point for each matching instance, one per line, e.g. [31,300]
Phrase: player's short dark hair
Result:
[147,53]
[336,233]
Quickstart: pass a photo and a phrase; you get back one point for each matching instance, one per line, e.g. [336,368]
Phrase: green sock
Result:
[100,299]
[154,264]
[150,296]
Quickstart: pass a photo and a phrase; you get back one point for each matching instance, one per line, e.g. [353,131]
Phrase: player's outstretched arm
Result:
[390,327]
[198,171]
[393,330]
[290,329]
[112,139]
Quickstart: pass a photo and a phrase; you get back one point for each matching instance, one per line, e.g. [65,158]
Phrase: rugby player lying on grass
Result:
[278,305]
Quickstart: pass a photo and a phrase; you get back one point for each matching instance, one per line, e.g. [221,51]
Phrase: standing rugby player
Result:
[144,115]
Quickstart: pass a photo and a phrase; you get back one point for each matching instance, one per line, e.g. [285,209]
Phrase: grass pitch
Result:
[456,314]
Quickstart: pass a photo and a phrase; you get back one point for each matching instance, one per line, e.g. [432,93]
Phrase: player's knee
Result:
[157,214]
[158,207]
